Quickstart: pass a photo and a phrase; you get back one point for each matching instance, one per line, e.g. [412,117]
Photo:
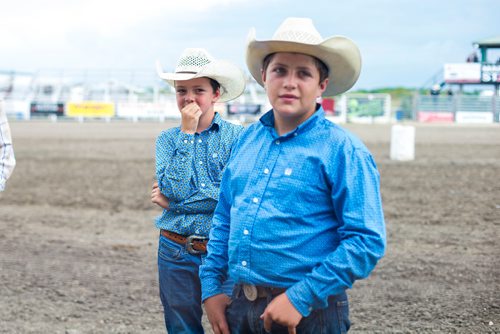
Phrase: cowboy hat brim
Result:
[229,76]
[340,55]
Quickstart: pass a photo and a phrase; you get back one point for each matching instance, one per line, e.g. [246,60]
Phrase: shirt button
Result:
[192,141]
[177,211]
[214,155]
[201,162]
[278,142]
[245,232]
[199,140]
[244,263]
[310,308]
[203,184]
[255,200]
[266,171]
[185,141]
[295,134]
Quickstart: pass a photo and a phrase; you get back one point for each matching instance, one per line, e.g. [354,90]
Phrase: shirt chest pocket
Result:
[298,186]
[216,163]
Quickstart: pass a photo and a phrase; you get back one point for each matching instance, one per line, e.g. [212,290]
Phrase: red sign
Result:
[435,117]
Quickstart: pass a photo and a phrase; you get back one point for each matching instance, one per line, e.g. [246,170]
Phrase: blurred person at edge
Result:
[190,159]
[300,216]
[7,158]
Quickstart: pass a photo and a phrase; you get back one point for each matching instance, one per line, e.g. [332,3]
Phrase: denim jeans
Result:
[180,288]
[243,316]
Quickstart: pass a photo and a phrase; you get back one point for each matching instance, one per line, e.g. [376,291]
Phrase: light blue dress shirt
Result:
[301,211]
[189,169]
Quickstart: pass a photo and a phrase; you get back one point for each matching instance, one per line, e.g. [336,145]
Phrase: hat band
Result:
[186,72]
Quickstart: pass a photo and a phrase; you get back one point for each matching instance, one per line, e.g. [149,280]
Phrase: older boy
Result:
[300,215]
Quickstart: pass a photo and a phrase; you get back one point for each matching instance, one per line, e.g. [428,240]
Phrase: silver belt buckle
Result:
[250,292]
[189,243]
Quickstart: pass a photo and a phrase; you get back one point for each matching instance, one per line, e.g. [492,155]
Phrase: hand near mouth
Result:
[190,114]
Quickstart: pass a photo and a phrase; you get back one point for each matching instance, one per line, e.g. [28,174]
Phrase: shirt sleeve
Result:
[174,171]
[198,203]
[214,271]
[7,158]
[358,206]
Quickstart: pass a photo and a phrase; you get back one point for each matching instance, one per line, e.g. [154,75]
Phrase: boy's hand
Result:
[283,312]
[215,307]
[190,114]
[158,198]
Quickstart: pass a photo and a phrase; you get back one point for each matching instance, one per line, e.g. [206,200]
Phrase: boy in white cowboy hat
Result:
[190,159]
[7,159]
[299,217]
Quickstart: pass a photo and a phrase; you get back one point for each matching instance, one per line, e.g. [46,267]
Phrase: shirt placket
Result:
[262,176]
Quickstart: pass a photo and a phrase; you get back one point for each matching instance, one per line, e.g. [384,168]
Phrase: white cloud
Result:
[49,22]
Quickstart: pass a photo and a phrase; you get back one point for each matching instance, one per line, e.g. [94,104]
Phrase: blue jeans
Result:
[243,316]
[180,288]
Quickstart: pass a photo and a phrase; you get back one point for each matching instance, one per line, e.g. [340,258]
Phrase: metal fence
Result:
[457,108]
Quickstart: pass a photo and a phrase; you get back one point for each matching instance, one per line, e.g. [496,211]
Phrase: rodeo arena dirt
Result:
[78,243]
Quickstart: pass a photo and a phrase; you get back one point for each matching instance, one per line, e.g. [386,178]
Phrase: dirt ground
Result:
[78,245]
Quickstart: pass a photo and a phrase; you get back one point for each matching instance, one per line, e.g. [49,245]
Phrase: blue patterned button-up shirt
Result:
[301,211]
[189,170]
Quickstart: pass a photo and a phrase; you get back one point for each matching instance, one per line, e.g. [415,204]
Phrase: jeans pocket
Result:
[343,315]
[168,250]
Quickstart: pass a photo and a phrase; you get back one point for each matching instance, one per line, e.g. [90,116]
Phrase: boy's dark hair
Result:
[322,68]
[215,84]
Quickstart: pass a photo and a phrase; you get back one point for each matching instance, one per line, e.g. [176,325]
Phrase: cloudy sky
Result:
[403,42]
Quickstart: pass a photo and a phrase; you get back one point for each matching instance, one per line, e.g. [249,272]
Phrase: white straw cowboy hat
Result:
[298,35]
[197,63]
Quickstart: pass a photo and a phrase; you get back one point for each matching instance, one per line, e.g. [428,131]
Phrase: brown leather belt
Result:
[253,292]
[195,244]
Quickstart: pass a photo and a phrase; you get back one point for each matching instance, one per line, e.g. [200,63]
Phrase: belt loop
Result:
[269,296]
[237,290]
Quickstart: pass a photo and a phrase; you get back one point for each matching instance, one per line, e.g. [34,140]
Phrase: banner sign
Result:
[490,73]
[462,73]
[42,108]
[472,73]
[474,117]
[435,117]
[90,109]
[240,108]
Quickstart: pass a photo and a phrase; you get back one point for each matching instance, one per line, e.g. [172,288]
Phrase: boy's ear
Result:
[216,95]
[323,85]
[263,75]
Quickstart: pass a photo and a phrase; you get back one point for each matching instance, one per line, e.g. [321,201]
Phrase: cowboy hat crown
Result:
[298,35]
[197,63]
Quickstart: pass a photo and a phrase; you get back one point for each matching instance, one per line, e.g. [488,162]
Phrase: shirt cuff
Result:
[173,206]
[186,139]
[210,287]
[301,298]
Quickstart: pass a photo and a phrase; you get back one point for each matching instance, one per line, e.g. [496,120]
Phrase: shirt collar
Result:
[216,122]
[268,120]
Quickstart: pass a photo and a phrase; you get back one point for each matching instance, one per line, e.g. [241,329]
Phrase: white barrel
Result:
[402,142]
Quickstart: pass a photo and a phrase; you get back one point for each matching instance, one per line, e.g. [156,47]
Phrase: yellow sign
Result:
[90,109]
